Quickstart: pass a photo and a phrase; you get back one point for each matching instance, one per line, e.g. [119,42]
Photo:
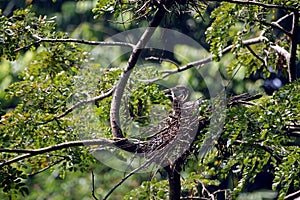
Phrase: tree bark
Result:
[174,181]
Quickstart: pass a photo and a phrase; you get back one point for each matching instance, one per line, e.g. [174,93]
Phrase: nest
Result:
[175,135]
[172,139]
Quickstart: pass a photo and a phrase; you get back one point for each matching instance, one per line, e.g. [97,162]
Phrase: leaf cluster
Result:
[235,23]
[258,140]
[18,31]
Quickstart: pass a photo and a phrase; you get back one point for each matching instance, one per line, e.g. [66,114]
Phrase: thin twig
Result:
[93,185]
[221,190]
[257,56]
[125,178]
[268,149]
[45,168]
[212,197]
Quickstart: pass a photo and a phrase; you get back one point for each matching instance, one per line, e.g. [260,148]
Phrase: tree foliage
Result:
[64,81]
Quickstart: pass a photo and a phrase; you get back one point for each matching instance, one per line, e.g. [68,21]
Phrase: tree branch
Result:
[264,62]
[45,168]
[293,49]
[268,149]
[90,100]
[116,101]
[67,40]
[121,143]
[280,50]
[93,186]
[276,24]
[34,152]
[209,59]
[292,195]
[251,2]
[163,59]
[125,178]
[204,189]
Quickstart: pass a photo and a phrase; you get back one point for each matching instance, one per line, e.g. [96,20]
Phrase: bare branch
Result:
[68,40]
[292,195]
[4,150]
[251,2]
[281,51]
[283,18]
[247,103]
[91,100]
[209,59]
[204,189]
[34,152]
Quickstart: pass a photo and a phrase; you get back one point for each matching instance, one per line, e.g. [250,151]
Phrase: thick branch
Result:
[281,51]
[174,181]
[116,102]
